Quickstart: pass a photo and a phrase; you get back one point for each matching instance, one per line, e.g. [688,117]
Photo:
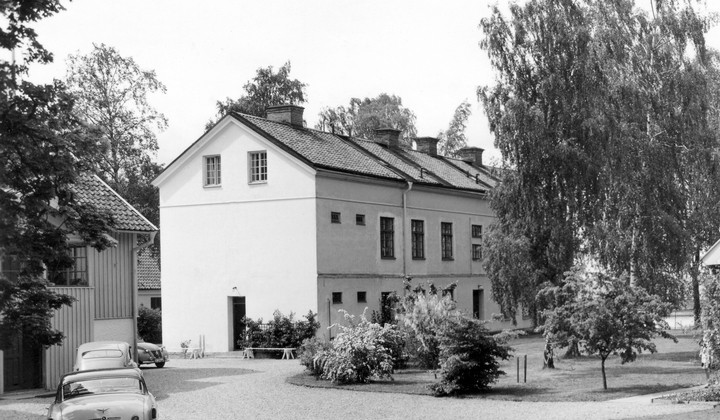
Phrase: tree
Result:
[149,325]
[363,116]
[454,138]
[112,95]
[606,315]
[265,89]
[711,320]
[43,150]
[596,116]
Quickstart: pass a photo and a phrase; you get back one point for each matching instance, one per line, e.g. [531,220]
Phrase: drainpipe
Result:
[404,234]
[133,295]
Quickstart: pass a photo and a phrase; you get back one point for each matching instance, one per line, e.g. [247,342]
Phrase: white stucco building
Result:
[264,214]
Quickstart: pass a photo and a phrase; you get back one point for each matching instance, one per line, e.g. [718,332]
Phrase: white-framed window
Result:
[258,167]
[212,171]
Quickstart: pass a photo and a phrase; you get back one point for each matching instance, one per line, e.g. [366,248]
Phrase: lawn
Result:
[675,365]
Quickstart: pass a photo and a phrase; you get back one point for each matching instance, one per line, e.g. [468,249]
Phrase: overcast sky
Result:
[425,52]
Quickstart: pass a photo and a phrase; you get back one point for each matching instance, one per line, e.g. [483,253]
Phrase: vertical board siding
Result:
[111,276]
[76,323]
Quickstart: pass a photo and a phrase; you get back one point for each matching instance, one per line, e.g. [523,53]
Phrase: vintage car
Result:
[103,394]
[103,355]
[152,353]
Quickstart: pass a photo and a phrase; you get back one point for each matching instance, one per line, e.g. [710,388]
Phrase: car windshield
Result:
[102,386]
[98,354]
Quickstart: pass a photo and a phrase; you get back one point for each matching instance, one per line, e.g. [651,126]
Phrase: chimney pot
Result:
[388,136]
[471,155]
[427,145]
[288,114]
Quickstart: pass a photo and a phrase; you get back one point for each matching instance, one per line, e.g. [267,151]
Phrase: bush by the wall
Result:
[311,354]
[280,332]
[149,325]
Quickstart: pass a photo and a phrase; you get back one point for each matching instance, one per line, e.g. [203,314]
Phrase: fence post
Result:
[2,372]
[525,369]
[517,359]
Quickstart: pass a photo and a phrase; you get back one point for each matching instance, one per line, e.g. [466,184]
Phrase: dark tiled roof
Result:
[483,175]
[148,270]
[412,170]
[445,170]
[89,189]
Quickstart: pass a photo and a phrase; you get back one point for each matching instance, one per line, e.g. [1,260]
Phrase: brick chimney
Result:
[388,136]
[471,155]
[288,114]
[427,145]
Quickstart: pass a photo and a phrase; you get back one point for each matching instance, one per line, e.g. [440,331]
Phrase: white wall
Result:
[114,330]
[258,238]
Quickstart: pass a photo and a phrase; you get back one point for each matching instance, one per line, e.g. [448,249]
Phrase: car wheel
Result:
[160,364]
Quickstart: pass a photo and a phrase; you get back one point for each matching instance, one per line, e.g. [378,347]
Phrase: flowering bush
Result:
[311,353]
[360,351]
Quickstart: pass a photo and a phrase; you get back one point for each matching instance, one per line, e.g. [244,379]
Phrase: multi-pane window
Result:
[360,219]
[10,267]
[212,170]
[446,239]
[156,303]
[334,217]
[258,167]
[477,231]
[337,297]
[418,239]
[75,275]
[362,297]
[476,252]
[387,237]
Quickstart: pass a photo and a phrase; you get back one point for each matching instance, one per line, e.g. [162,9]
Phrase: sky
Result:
[425,52]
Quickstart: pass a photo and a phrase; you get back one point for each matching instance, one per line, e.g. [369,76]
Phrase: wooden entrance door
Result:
[23,365]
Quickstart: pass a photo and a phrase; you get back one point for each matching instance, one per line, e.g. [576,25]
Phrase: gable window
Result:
[446,239]
[360,219]
[476,252]
[477,231]
[337,297]
[418,239]
[75,275]
[258,167]
[212,171]
[387,237]
[362,297]
[334,217]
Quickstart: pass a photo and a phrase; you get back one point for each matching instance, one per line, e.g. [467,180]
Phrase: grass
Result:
[674,366]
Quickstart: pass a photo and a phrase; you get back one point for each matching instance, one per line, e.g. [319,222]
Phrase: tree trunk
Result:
[602,366]
[548,356]
[694,274]
[573,351]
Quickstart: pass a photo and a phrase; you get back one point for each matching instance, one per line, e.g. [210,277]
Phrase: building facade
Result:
[104,285]
[264,214]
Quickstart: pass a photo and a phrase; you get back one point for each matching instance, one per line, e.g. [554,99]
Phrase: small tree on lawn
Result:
[710,318]
[607,315]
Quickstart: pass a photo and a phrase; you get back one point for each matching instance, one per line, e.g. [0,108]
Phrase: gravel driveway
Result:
[256,389]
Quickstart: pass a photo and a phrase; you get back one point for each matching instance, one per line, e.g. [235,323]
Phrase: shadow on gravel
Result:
[19,415]
[166,381]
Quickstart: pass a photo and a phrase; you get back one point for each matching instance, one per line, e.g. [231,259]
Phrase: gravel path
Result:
[235,388]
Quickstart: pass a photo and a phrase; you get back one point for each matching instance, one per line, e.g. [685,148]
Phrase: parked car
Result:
[152,353]
[103,394]
[104,355]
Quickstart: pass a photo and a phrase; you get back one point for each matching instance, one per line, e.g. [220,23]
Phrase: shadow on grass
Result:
[166,381]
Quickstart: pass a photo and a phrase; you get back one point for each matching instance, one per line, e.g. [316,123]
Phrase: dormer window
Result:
[212,171]
[258,167]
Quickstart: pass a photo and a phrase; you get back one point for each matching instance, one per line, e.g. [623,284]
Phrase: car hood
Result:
[148,346]
[115,405]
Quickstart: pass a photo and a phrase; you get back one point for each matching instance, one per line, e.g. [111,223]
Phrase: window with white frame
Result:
[258,167]
[212,170]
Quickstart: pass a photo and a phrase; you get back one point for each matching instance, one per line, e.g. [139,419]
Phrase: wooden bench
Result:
[287,352]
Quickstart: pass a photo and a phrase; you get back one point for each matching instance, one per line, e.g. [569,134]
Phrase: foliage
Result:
[425,313]
[311,350]
[267,88]
[280,332]
[363,116]
[606,315]
[388,306]
[360,351]
[149,325]
[453,139]
[601,109]
[469,357]
[43,151]
[711,320]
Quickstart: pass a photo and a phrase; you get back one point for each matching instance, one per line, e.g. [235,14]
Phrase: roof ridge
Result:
[125,202]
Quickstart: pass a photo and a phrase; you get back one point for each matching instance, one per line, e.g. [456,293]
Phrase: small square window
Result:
[334,217]
[337,297]
[360,219]
[477,252]
[362,297]
[477,231]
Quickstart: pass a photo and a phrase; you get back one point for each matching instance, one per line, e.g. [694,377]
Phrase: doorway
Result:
[238,326]
[23,364]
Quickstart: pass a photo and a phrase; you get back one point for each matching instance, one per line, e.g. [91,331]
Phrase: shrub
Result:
[149,325]
[311,353]
[281,331]
[360,351]
[469,357]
